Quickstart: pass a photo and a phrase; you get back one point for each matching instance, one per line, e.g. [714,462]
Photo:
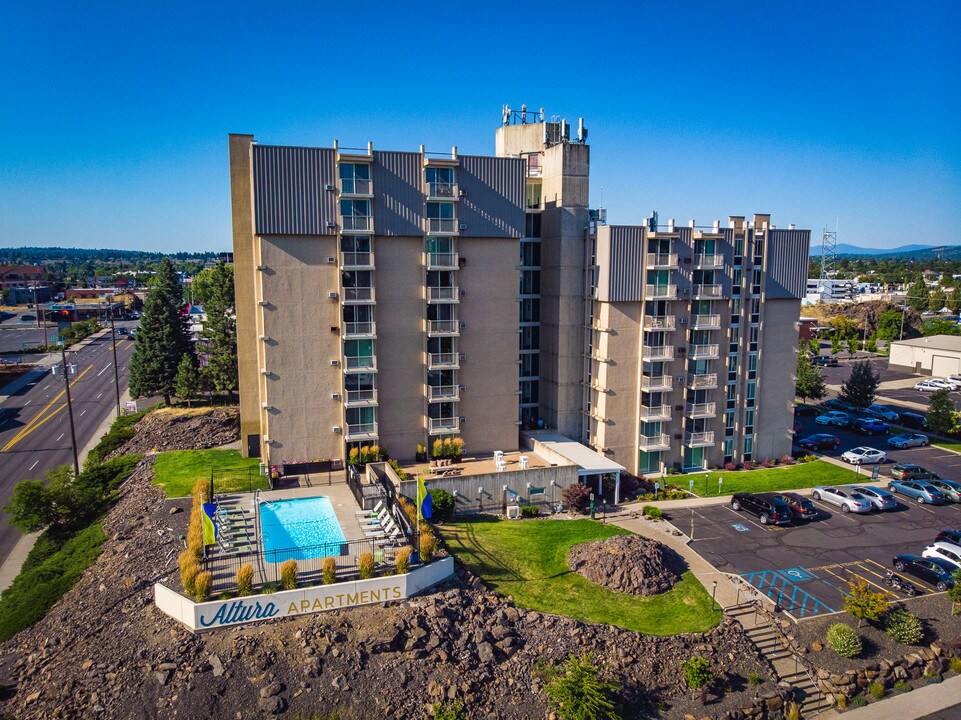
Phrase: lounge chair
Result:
[378,519]
[377,509]
[382,530]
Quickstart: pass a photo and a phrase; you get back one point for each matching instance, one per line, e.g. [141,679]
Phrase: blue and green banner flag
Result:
[210,528]
[424,505]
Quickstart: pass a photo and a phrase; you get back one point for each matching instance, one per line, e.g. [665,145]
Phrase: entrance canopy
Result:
[561,450]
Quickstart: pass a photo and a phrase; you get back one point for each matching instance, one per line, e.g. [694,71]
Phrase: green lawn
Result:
[177,471]
[527,560]
[790,477]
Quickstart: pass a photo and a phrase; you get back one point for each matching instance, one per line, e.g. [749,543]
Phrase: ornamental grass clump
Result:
[844,640]
[402,560]
[365,565]
[328,570]
[288,574]
[189,569]
[202,586]
[245,580]
[428,544]
[903,627]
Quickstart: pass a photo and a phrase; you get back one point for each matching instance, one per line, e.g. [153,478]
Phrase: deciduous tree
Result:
[941,416]
[810,381]
[918,296]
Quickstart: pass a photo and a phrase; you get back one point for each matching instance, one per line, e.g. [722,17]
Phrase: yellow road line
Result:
[36,421]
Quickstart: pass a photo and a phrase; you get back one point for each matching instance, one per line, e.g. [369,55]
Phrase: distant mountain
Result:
[947,252]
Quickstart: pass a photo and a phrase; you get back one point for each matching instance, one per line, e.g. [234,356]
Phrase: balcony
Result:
[655,413]
[699,439]
[707,291]
[356,187]
[706,322]
[658,352]
[442,191]
[661,260]
[442,261]
[443,294]
[442,361]
[708,262]
[360,397]
[442,426]
[660,292]
[438,393]
[664,322]
[703,352]
[358,294]
[705,381]
[360,363]
[654,442]
[443,327]
[356,224]
[657,383]
[357,260]
[441,226]
[701,410]
[360,329]
[361,431]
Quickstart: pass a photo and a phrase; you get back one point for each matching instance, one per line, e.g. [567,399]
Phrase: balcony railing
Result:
[703,352]
[663,322]
[701,410]
[443,327]
[360,329]
[356,186]
[654,442]
[361,431]
[360,362]
[443,294]
[658,352]
[699,439]
[655,383]
[442,261]
[656,412]
[442,226]
[357,260]
[661,260]
[442,191]
[361,397]
[443,392]
[438,426]
[358,294]
[660,292]
[443,360]
[704,381]
[707,291]
[706,322]
[356,223]
[704,261]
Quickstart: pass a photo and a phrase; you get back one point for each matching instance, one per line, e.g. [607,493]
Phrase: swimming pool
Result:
[303,527]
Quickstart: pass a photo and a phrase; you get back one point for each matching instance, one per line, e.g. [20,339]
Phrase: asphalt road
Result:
[838,375]
[14,336]
[34,429]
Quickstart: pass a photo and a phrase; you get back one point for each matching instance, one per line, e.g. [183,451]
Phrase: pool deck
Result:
[483,465]
[341,498]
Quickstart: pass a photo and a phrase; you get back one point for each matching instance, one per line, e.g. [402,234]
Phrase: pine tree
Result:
[162,338]
[810,380]
[214,288]
[918,296]
[859,389]
[941,414]
[187,381]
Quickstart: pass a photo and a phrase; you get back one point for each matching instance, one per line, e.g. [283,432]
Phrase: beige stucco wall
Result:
[777,365]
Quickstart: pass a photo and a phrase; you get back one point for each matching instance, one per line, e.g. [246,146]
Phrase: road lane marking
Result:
[28,402]
[34,465]
[37,421]
[60,438]
[81,414]
[104,370]
[99,396]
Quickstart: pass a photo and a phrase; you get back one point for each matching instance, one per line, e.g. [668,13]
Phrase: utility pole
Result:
[73,434]
[116,370]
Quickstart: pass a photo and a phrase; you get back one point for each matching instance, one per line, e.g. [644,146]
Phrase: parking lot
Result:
[806,567]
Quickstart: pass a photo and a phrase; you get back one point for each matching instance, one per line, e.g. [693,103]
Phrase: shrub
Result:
[530,511]
[786,460]
[442,505]
[395,466]
[844,640]
[402,560]
[329,570]
[457,446]
[767,463]
[288,574]
[202,585]
[437,449]
[428,544]
[451,710]
[730,467]
[698,674]
[748,465]
[876,690]
[409,510]
[792,711]
[655,513]
[863,603]
[189,569]
[577,497]
[447,448]
[576,692]
[245,580]
[365,565]
[809,458]
[421,450]
[842,701]
[353,457]
[753,679]
[903,627]
[902,686]
[954,664]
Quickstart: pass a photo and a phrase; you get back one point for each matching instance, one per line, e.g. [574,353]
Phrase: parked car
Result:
[864,455]
[950,489]
[908,440]
[932,385]
[837,403]
[949,383]
[806,411]
[820,441]
[870,426]
[949,535]
[912,420]
[944,551]
[801,507]
[844,498]
[910,471]
[768,508]
[932,570]
[882,411]
[879,499]
[920,490]
[834,417]
[956,379]
[826,361]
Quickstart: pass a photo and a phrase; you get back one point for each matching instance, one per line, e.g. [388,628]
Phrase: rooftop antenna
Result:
[829,253]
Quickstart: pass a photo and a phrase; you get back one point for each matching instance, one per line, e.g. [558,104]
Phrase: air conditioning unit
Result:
[683,321]
[687,291]
[331,224]
[680,378]
[463,325]
[332,294]
[462,260]
[267,440]
[335,396]
[335,362]
[463,356]
[261,267]
[263,303]
[331,259]
[334,329]
[463,293]
[328,186]
[463,226]
[264,338]
[607,451]
[678,436]
[678,407]
[682,351]
[462,193]
[687,261]
[335,428]
[462,419]
[463,388]
[264,371]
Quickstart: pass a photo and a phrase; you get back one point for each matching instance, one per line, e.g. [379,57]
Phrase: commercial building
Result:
[938,355]
[395,297]
[21,276]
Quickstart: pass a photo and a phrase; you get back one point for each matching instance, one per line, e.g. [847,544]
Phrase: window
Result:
[533,195]
[355,178]
[529,391]
[751,389]
[440,217]
[355,214]
[530,282]
[531,254]
[530,364]
[440,181]
[530,337]
[748,447]
[752,362]
[360,420]
[731,391]
[728,450]
[532,225]
[749,421]
[530,310]
[729,416]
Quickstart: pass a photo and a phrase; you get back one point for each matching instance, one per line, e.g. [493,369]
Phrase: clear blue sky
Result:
[115,116]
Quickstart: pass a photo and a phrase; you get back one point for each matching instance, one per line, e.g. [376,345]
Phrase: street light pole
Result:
[73,434]
[116,370]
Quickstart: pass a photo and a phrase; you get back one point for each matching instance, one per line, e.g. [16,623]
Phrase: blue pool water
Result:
[303,528]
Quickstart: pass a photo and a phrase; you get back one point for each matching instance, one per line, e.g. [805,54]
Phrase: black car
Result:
[820,441]
[949,536]
[935,571]
[801,507]
[767,506]
[806,410]
[912,421]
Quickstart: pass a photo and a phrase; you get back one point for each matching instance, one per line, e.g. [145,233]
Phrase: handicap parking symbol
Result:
[739,527]
[795,574]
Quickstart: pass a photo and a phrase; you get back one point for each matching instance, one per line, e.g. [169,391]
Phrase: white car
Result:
[864,456]
[932,385]
[949,382]
[945,551]
[845,498]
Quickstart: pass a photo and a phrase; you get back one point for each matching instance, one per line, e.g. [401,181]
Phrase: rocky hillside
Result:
[184,429]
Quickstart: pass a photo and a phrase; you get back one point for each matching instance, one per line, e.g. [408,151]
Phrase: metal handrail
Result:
[443,293]
[357,259]
[441,225]
[444,190]
[442,359]
[443,392]
[442,260]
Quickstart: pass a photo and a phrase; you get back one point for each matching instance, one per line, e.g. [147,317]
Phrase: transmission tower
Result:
[829,253]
